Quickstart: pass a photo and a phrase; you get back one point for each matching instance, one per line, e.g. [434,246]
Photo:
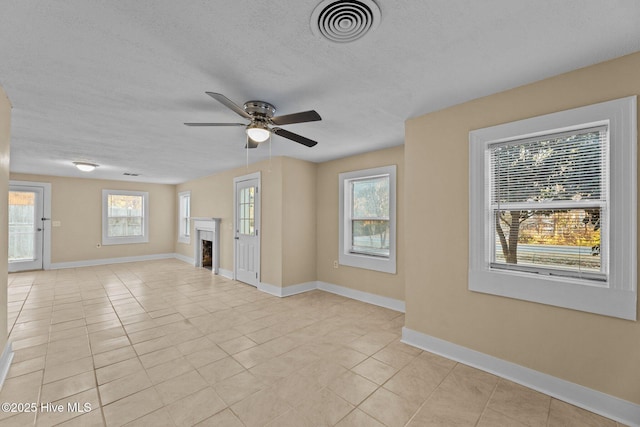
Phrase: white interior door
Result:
[26,227]
[247,229]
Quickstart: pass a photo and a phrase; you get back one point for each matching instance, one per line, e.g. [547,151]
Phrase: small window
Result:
[552,214]
[184,227]
[125,217]
[367,219]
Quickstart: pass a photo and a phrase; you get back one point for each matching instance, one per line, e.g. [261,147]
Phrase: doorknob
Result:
[39,229]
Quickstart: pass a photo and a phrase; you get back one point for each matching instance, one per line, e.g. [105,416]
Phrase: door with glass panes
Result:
[26,227]
[247,233]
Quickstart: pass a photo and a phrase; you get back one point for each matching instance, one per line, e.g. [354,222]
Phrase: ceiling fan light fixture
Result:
[85,166]
[258,132]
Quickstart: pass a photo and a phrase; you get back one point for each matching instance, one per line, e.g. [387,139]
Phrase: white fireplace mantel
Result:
[207,229]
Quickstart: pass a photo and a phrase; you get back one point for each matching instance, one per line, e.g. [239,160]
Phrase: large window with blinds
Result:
[367,219]
[553,211]
[548,203]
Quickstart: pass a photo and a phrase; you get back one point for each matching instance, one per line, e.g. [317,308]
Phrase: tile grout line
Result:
[20,311]
[430,394]
[35,421]
[549,413]
[38,399]
[137,356]
[486,405]
[93,361]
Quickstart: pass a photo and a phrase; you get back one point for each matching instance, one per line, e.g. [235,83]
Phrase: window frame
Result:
[184,223]
[386,264]
[617,295]
[144,238]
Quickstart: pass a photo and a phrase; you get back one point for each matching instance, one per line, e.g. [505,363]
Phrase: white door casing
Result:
[29,233]
[247,228]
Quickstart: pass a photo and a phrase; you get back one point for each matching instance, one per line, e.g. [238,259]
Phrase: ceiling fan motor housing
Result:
[259,108]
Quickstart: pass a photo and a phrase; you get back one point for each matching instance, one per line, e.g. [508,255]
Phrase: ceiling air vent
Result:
[344,21]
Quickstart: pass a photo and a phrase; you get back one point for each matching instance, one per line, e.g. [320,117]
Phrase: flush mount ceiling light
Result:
[258,131]
[85,166]
[344,21]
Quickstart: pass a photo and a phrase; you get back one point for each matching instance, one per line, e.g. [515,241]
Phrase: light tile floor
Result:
[162,343]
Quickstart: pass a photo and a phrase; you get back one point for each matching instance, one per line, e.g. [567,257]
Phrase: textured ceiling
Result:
[111,82]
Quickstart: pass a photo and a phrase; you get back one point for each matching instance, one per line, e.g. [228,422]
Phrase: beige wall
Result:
[298,221]
[212,196]
[598,352]
[384,284]
[77,204]
[5,131]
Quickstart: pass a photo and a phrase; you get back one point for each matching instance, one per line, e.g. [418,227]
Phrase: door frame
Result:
[46,224]
[236,180]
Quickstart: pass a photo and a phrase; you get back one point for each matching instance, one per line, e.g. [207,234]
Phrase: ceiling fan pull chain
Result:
[269,151]
[247,149]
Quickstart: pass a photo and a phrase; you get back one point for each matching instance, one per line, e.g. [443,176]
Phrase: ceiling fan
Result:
[262,122]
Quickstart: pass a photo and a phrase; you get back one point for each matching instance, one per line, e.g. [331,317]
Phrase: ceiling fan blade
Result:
[229,104]
[302,117]
[215,124]
[251,143]
[294,137]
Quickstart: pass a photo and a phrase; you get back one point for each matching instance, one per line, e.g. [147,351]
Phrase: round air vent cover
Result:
[344,21]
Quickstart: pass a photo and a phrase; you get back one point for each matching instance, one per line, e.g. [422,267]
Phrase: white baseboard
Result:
[270,289]
[299,288]
[94,262]
[287,290]
[5,362]
[367,297]
[225,273]
[184,258]
[575,394]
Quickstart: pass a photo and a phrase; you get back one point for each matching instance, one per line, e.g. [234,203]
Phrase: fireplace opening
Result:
[206,245]
[207,254]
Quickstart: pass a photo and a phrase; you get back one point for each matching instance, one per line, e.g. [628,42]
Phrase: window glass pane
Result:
[185,208]
[370,237]
[562,238]
[124,226]
[246,211]
[22,232]
[125,215]
[370,198]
